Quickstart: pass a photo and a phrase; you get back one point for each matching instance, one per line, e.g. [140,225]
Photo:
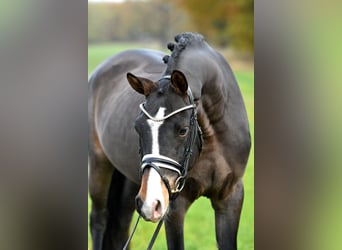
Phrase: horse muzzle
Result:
[151,211]
[156,189]
[153,198]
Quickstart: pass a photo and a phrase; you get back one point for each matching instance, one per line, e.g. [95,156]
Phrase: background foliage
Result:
[224,23]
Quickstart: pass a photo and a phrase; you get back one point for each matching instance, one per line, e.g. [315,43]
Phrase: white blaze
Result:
[154,126]
[154,188]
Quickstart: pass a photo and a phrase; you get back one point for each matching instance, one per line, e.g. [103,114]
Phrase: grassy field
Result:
[199,221]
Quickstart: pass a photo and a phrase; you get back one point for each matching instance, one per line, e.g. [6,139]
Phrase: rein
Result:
[154,236]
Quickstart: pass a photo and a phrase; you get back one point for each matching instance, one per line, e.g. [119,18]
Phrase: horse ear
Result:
[179,82]
[141,85]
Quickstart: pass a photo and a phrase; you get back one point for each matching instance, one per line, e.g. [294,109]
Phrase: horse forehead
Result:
[164,97]
[160,113]
[163,85]
[155,106]
[157,100]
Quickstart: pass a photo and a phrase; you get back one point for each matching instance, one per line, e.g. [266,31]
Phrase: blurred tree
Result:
[225,22]
[99,16]
[143,20]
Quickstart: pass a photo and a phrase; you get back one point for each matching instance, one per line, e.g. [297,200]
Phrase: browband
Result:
[165,117]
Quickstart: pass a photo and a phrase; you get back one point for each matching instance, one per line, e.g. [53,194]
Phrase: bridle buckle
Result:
[180,183]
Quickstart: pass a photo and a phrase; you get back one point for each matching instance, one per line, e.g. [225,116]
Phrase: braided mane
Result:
[183,41]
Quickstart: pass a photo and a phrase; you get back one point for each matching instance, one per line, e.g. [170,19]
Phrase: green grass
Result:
[199,221]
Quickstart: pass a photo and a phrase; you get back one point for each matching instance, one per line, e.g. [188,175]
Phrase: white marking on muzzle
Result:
[154,187]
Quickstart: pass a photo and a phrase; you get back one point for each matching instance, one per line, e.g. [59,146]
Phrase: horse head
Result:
[167,129]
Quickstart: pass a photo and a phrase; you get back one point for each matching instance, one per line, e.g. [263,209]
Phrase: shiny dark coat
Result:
[114,149]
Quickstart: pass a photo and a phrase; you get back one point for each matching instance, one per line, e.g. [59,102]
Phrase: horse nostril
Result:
[138,203]
[158,207]
[156,211]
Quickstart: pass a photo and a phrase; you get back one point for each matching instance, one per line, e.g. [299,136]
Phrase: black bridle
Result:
[158,162]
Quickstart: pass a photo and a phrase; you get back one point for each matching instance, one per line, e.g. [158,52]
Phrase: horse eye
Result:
[183,131]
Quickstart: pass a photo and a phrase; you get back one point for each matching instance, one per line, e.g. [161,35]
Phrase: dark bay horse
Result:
[163,131]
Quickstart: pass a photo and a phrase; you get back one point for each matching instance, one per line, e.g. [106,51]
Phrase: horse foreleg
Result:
[99,183]
[227,217]
[121,205]
[174,224]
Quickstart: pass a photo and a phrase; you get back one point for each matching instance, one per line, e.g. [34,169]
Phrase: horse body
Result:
[113,103]
[215,172]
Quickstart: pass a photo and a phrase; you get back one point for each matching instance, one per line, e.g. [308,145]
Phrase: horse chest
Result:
[211,172]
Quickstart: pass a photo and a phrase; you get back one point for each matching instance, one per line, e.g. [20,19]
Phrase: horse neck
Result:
[206,81]
[220,109]
[201,65]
